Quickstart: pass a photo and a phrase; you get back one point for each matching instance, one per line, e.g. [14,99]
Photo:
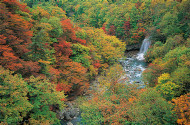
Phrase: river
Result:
[133,68]
[133,64]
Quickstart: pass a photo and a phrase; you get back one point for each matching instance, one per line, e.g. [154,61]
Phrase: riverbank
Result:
[133,70]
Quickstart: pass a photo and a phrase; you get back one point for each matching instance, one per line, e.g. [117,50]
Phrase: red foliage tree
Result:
[104,28]
[70,75]
[97,64]
[127,27]
[112,30]
[15,38]
[62,48]
[69,32]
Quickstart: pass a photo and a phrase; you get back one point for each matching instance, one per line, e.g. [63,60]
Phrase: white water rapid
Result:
[144,47]
[134,64]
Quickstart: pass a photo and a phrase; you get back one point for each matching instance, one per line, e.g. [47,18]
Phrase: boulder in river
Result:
[69,112]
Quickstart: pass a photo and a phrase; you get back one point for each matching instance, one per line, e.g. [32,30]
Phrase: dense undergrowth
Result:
[52,49]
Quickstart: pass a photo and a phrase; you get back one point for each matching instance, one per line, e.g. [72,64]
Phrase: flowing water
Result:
[133,68]
[133,65]
[144,47]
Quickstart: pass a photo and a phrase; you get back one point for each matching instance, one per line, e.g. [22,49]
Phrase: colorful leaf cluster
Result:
[49,58]
[27,101]
[15,36]
[115,103]
[52,48]
[182,109]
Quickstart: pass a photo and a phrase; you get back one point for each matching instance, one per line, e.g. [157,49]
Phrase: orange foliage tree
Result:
[15,38]
[182,109]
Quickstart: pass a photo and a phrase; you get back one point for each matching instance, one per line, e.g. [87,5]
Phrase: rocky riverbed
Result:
[133,68]
[70,115]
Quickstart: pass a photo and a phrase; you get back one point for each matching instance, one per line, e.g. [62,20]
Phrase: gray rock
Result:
[69,123]
[69,112]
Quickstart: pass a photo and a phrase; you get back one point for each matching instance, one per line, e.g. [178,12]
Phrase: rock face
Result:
[133,47]
[69,112]
[131,54]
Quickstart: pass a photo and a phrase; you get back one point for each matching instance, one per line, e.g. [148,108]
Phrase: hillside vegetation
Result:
[51,50]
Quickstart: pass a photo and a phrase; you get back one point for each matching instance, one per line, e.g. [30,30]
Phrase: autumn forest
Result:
[60,61]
